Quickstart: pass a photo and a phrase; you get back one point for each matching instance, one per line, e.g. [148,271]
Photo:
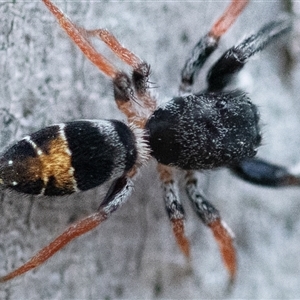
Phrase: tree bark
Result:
[45,79]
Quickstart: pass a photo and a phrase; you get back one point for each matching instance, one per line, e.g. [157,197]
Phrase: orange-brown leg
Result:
[81,41]
[116,196]
[211,217]
[129,101]
[174,208]
[227,18]
[123,53]
[208,43]
[141,70]
[224,237]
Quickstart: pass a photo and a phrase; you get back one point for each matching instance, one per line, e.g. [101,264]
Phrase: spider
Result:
[205,130]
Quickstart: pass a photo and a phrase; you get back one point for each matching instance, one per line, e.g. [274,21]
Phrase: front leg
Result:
[208,44]
[233,60]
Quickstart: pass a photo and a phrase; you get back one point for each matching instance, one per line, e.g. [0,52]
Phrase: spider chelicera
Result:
[210,129]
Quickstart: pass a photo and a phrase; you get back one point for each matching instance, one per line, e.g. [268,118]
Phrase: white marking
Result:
[33,144]
[71,172]
[68,151]
[64,138]
[14,183]
[230,232]
[108,132]
[62,131]
[10,162]
[42,191]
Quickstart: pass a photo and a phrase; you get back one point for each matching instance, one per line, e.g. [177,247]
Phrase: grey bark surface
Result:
[45,80]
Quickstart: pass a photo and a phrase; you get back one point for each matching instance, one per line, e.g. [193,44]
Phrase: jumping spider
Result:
[200,131]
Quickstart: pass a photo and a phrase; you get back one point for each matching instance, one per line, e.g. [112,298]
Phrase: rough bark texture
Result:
[45,80]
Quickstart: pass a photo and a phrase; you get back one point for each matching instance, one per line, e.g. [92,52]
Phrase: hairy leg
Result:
[116,196]
[131,94]
[208,43]
[174,207]
[263,173]
[210,216]
[234,59]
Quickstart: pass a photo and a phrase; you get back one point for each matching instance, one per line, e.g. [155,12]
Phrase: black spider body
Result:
[193,132]
[205,131]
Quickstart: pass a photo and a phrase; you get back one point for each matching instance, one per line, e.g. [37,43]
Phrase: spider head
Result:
[205,131]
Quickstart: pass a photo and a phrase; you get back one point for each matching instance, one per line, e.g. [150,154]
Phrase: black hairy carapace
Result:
[205,131]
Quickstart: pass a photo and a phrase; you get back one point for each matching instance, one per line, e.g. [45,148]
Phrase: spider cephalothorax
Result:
[205,130]
[223,127]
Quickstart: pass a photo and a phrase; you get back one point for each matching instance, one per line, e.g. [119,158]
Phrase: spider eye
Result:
[221,104]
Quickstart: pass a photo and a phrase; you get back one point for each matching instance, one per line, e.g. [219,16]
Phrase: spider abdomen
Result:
[69,157]
[204,131]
